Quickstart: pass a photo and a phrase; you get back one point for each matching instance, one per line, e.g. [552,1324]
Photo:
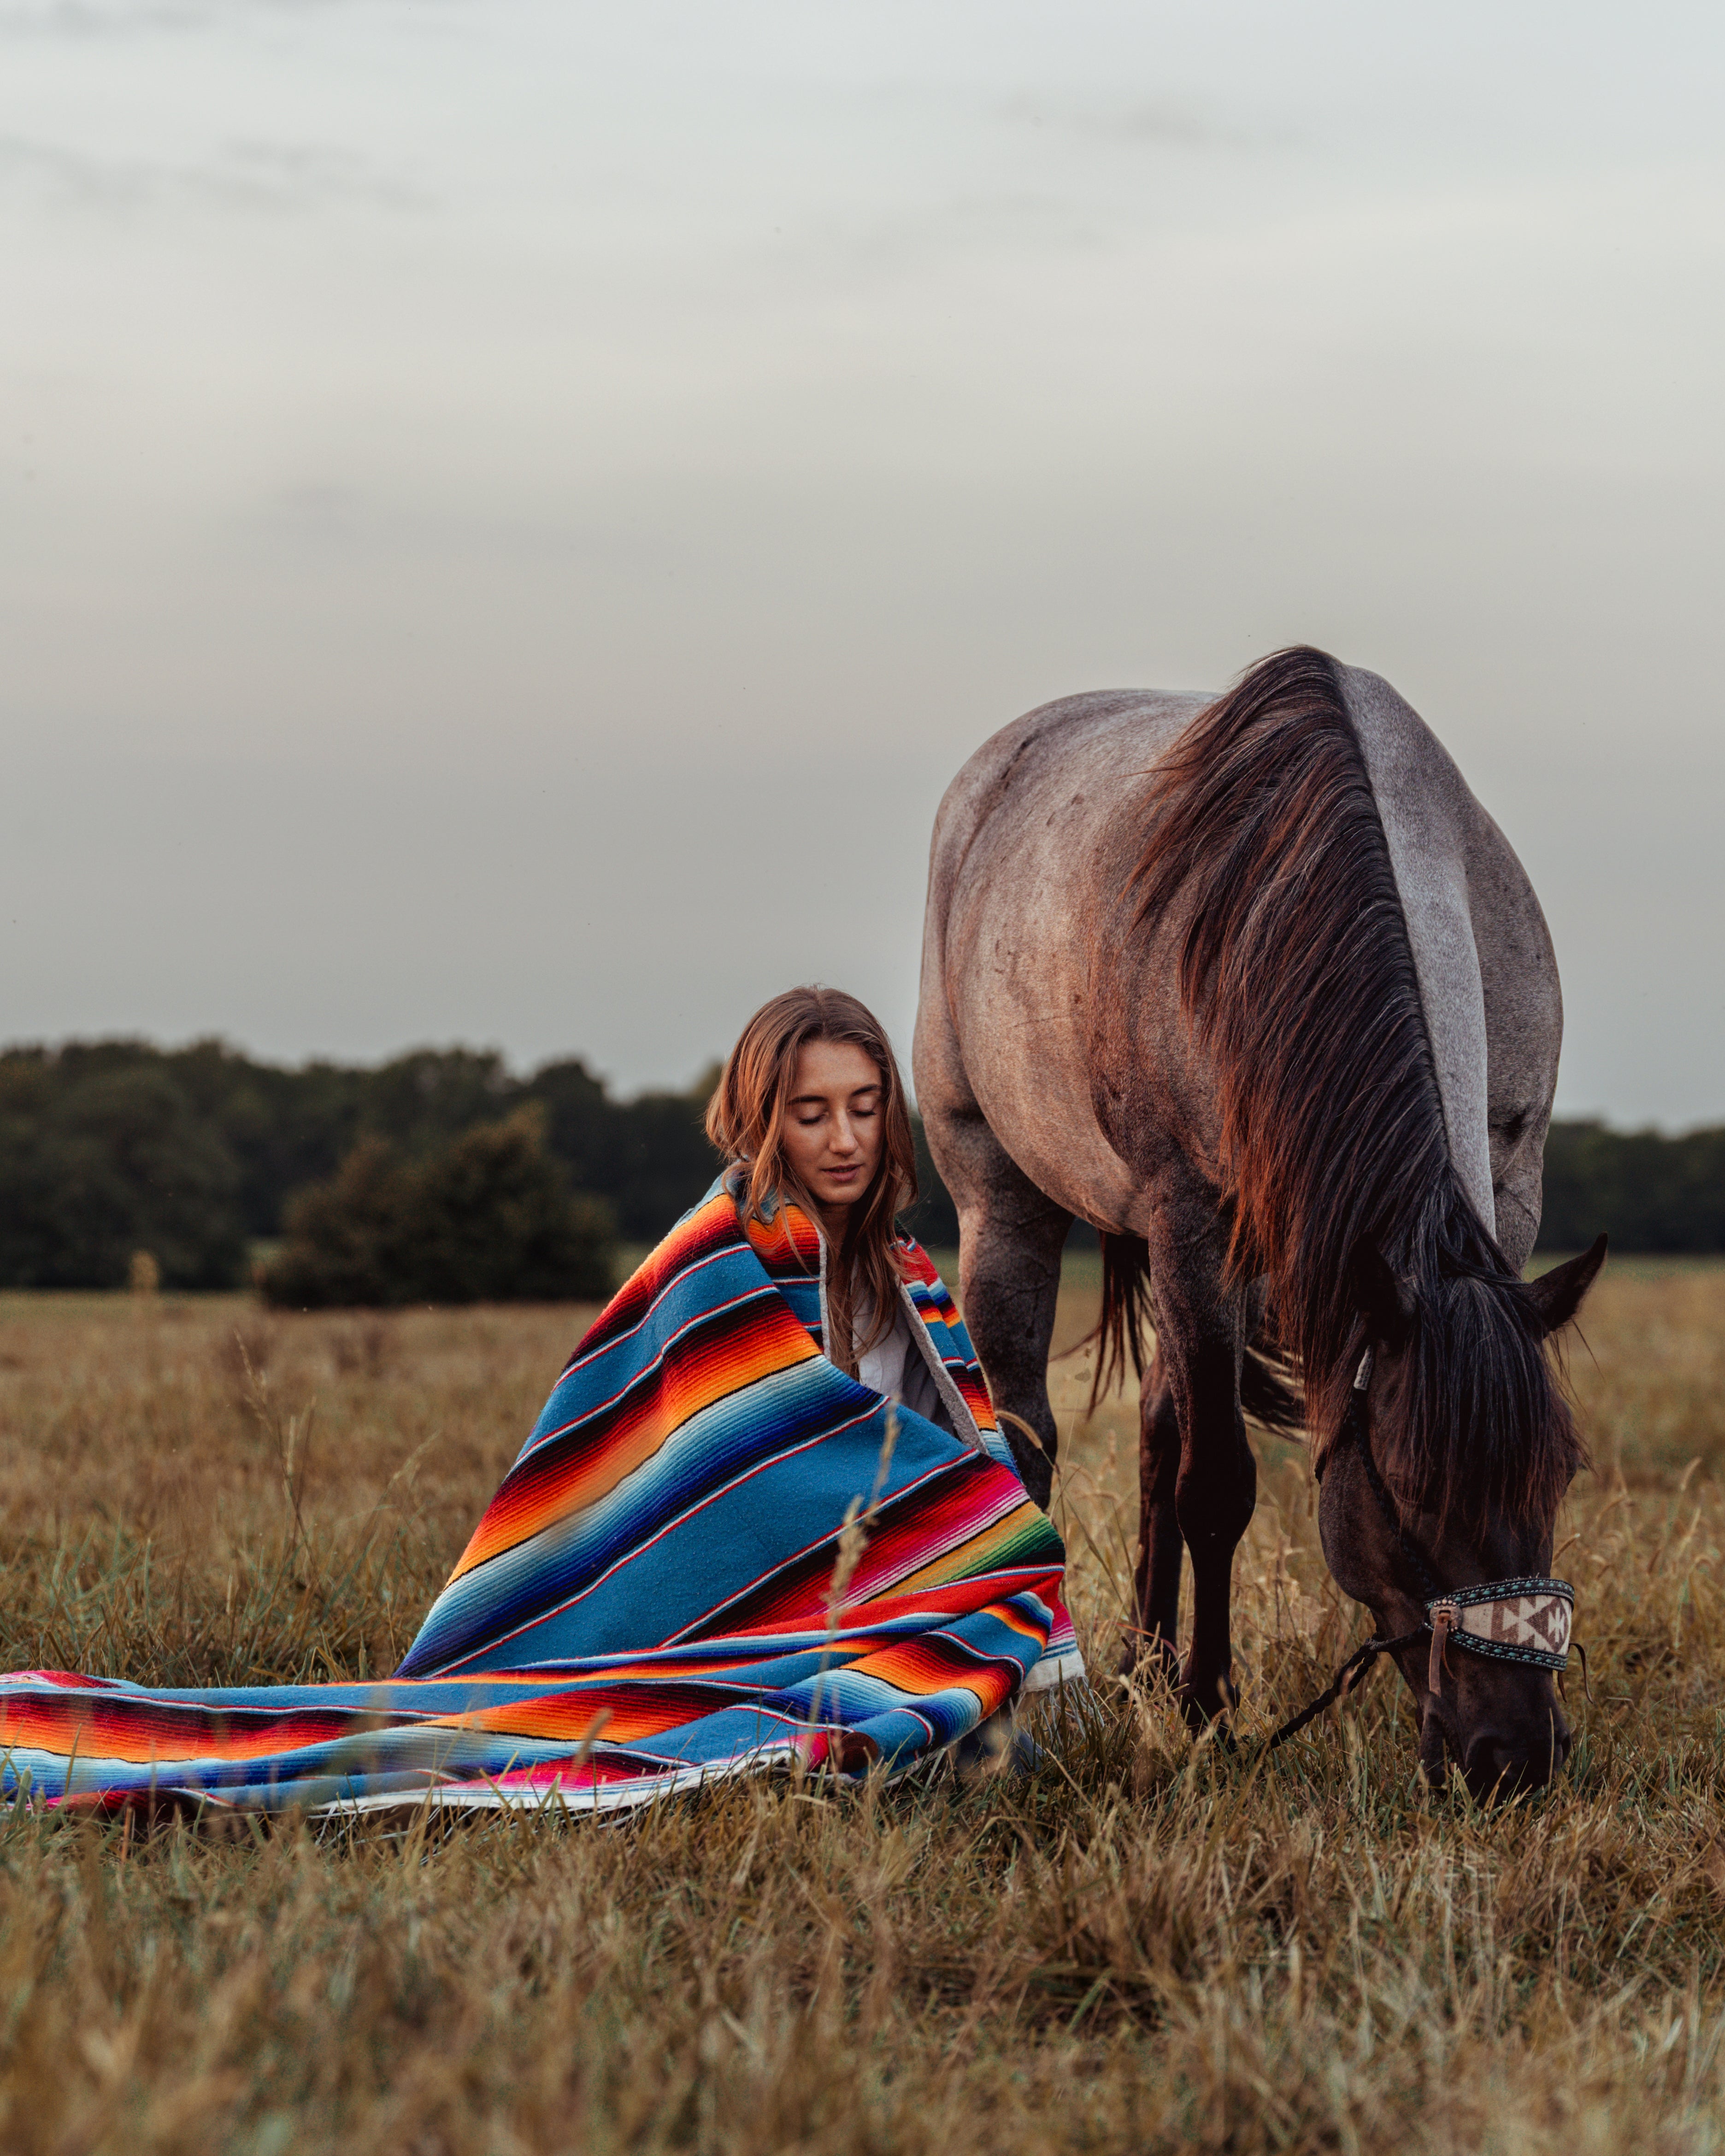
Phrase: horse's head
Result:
[1446,1476]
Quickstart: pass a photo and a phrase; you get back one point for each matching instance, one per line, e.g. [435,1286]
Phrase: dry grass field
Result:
[1143,1946]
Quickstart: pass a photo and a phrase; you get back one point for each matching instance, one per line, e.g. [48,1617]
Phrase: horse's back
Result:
[1010,822]
[1033,838]
[1077,741]
[1020,859]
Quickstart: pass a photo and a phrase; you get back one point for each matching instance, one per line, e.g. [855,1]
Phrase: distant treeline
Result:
[195,1154]
[1648,1193]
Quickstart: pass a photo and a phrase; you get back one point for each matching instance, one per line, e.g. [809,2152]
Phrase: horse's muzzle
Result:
[1501,1763]
[1498,1763]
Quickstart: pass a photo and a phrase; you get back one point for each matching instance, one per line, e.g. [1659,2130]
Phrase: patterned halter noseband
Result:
[1525,1620]
[1514,1620]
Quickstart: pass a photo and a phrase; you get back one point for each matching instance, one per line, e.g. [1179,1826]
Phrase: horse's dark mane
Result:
[1297,975]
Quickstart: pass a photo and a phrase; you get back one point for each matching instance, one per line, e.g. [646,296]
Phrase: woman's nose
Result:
[844,1137]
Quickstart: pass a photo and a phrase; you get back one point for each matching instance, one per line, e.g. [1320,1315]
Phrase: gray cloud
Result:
[85,21]
[1151,123]
[323,518]
[835,251]
[249,178]
[80,20]
[555,622]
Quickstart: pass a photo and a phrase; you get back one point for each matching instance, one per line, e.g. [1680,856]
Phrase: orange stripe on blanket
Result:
[1016,1621]
[919,1671]
[573,1721]
[957,1598]
[173,1738]
[789,1237]
[696,1382]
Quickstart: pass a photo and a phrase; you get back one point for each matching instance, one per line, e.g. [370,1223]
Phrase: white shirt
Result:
[882,1369]
[896,1366]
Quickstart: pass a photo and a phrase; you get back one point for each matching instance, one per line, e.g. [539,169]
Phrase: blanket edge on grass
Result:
[714,1553]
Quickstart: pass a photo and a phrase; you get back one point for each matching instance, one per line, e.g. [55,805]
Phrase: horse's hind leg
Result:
[1156,1587]
[1199,1341]
[1008,1279]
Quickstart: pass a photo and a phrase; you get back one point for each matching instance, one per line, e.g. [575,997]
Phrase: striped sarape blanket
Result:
[716,1552]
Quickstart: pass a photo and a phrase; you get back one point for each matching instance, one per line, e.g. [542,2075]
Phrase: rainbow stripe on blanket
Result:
[649,1601]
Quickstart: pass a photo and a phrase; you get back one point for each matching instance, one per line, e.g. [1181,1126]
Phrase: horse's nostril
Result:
[1502,1765]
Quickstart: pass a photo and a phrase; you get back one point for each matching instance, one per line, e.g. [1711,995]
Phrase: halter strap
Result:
[1524,1620]
[1527,1619]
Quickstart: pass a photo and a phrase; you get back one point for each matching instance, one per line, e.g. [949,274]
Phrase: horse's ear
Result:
[1557,1295]
[1385,1301]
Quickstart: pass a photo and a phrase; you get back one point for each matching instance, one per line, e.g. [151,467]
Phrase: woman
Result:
[811,1108]
[766,1516]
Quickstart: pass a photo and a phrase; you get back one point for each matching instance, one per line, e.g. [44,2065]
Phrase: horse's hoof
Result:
[1204,1700]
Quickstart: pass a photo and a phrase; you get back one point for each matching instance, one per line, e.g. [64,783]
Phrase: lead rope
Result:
[1353,1671]
[1443,1618]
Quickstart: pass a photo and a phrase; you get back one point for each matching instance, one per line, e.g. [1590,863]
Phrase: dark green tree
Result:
[487,1217]
[105,1160]
[493,1221]
[1646,1191]
[348,1240]
[649,1157]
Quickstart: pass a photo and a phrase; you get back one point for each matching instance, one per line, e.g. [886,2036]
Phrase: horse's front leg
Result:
[1011,1237]
[1215,1495]
[1155,1589]
[1009,1275]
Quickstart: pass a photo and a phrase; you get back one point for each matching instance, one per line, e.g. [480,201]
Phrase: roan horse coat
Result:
[1256,987]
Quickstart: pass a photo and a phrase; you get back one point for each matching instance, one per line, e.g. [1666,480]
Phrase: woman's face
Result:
[833,1124]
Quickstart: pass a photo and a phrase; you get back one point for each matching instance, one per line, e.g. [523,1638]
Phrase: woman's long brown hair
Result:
[745,1120]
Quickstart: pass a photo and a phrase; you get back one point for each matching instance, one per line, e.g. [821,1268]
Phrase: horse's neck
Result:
[1423,803]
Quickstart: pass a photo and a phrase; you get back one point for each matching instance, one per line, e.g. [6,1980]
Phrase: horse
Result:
[1253,984]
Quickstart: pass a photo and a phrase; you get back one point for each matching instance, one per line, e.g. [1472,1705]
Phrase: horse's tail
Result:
[1265,1392]
[1119,1336]
[1269,1396]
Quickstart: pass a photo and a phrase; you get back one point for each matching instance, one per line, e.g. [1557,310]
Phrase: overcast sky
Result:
[511,512]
